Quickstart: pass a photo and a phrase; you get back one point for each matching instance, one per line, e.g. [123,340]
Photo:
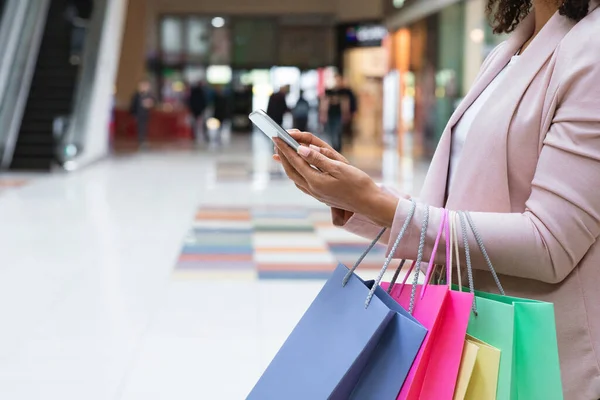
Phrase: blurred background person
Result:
[348,126]
[142,103]
[335,110]
[222,112]
[78,14]
[300,113]
[277,106]
[197,103]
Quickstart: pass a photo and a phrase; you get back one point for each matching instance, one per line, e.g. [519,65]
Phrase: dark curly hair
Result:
[505,15]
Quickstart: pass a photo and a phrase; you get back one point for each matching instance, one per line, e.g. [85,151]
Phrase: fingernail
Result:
[315,148]
[292,130]
[303,151]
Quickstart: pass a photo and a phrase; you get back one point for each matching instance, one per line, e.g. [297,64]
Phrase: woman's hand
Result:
[336,183]
[309,140]
[339,217]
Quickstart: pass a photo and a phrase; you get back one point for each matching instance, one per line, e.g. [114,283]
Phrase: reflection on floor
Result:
[269,243]
[240,171]
[12,183]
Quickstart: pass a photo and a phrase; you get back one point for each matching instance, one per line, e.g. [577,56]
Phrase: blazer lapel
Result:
[483,167]
[434,188]
[505,53]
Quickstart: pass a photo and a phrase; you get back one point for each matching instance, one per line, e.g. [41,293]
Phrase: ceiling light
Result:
[477,35]
[218,22]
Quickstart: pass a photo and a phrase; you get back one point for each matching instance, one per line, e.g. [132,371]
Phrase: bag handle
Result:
[479,240]
[454,244]
[451,246]
[420,251]
[448,249]
[396,274]
[463,227]
[452,251]
[418,261]
[443,227]
[389,258]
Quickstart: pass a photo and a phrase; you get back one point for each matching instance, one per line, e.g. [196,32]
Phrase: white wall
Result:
[96,131]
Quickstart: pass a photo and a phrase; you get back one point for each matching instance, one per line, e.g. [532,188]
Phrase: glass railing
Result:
[2,4]
[21,29]
[71,141]
[12,12]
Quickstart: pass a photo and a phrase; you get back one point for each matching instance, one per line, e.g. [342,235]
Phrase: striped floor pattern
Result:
[269,243]
[11,183]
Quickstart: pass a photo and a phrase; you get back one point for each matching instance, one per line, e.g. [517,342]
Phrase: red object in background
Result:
[163,126]
[321,82]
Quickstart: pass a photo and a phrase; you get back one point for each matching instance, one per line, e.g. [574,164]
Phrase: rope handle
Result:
[389,258]
[442,228]
[479,241]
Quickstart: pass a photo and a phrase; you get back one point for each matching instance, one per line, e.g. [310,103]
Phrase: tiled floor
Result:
[149,276]
[269,243]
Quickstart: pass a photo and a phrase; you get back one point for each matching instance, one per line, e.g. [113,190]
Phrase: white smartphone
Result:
[272,128]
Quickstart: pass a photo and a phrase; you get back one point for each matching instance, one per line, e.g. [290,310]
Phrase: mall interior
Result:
[151,246]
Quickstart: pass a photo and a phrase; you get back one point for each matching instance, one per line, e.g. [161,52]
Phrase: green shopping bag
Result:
[524,331]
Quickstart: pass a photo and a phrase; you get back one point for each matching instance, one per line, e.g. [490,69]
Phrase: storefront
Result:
[248,57]
[363,60]
[438,47]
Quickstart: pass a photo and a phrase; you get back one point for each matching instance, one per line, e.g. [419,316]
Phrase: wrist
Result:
[380,207]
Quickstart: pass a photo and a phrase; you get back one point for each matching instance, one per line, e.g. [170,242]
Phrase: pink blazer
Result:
[530,173]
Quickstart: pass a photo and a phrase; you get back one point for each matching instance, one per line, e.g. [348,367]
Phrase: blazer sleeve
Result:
[362,226]
[562,215]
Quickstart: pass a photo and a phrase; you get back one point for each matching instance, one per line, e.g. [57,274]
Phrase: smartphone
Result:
[272,128]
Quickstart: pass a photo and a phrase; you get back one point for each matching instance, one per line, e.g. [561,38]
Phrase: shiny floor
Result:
[96,303]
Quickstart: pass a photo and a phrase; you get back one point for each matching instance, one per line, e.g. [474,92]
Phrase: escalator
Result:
[53,97]
[51,93]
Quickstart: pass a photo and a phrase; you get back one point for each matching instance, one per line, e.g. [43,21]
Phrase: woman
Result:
[522,152]
[335,111]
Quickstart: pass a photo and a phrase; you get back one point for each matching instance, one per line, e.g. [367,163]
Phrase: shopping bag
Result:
[391,361]
[484,377]
[338,338]
[465,372]
[324,355]
[445,314]
[525,333]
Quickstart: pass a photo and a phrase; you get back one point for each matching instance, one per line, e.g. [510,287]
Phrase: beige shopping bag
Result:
[484,379]
[467,365]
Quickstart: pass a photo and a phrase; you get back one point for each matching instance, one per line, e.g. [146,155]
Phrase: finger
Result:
[314,142]
[280,145]
[308,138]
[276,158]
[317,159]
[297,162]
[303,190]
[330,153]
[290,171]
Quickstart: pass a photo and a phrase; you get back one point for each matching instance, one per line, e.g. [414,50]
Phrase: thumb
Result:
[316,159]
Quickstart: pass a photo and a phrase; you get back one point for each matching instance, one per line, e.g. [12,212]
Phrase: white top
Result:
[462,128]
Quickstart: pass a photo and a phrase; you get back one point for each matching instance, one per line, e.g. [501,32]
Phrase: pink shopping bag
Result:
[445,314]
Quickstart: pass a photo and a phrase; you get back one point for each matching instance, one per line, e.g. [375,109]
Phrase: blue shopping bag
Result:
[344,345]
[389,364]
